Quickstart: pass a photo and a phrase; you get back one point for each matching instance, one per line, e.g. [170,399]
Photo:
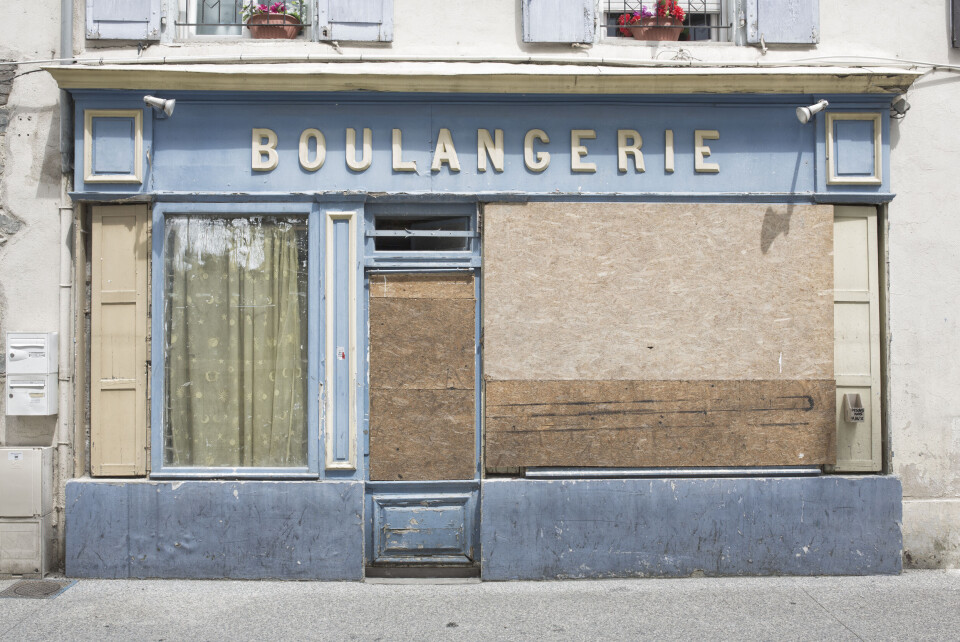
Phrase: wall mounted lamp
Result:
[804,114]
[899,107]
[162,106]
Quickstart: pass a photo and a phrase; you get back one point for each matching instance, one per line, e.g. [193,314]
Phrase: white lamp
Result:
[804,114]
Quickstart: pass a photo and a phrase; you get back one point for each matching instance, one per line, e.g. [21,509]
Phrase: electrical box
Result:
[26,546]
[26,511]
[26,482]
[32,352]
[32,394]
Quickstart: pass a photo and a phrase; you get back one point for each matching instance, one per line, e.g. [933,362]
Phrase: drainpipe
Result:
[65,464]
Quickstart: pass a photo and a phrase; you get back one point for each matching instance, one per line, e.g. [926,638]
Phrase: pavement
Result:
[917,605]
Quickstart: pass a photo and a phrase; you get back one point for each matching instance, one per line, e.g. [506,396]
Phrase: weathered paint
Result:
[214,529]
[678,527]
[756,144]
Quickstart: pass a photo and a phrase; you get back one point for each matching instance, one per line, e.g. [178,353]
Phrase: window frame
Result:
[397,259]
[729,10]
[315,323]
[189,11]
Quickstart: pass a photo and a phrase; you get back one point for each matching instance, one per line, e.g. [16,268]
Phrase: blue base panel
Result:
[211,529]
[536,530]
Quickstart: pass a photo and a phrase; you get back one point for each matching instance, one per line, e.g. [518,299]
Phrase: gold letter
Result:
[367,158]
[578,151]
[400,165]
[445,152]
[486,145]
[305,149]
[668,152]
[261,164]
[700,150]
[539,162]
[632,149]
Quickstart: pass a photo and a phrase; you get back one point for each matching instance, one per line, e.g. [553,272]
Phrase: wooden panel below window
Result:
[422,377]
[660,423]
[421,434]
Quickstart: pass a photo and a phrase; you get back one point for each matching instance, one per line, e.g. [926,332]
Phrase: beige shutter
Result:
[118,351]
[857,335]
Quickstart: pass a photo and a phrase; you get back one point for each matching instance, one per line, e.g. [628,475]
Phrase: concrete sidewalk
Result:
[915,605]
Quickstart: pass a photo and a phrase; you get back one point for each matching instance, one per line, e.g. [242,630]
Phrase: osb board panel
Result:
[422,343]
[660,423]
[422,434]
[422,286]
[623,291]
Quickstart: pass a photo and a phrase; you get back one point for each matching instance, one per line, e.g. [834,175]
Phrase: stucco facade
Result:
[454,51]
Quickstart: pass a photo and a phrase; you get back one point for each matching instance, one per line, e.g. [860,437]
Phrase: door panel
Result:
[422,377]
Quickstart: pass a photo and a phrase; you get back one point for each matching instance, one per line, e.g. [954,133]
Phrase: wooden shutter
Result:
[118,350]
[857,335]
[123,19]
[367,20]
[955,21]
[783,21]
[558,20]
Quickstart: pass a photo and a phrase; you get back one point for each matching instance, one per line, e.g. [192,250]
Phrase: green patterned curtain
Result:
[236,355]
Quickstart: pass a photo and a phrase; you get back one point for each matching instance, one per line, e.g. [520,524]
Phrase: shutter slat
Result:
[118,350]
[783,21]
[558,20]
[123,19]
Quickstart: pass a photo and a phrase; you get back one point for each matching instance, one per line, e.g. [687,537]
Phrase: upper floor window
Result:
[667,20]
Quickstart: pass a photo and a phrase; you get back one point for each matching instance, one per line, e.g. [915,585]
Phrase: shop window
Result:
[235,341]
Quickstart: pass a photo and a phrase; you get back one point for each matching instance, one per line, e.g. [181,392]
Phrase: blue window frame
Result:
[163,216]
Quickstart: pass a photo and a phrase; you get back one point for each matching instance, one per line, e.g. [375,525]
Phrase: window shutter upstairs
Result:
[358,20]
[558,20]
[123,19]
[783,21]
[955,21]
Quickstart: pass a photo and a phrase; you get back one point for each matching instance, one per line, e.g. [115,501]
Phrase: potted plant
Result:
[664,22]
[278,20]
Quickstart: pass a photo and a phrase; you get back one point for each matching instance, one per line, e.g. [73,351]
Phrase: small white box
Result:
[32,394]
[26,482]
[26,546]
[32,352]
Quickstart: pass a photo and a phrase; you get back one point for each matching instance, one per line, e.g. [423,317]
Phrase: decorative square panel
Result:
[854,149]
[113,146]
[423,529]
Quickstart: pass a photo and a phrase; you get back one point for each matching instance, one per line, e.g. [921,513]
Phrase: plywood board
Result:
[660,423]
[422,377]
[422,286]
[626,291]
[422,434]
[422,343]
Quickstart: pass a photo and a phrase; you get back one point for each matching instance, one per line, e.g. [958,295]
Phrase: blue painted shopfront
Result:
[247,153]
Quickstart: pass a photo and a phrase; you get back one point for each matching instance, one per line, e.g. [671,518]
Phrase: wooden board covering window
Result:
[638,335]
[422,384]
[118,350]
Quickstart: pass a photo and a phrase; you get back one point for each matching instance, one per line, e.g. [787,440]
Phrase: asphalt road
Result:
[913,606]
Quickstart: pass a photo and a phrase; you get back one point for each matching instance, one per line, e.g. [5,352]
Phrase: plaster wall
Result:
[30,189]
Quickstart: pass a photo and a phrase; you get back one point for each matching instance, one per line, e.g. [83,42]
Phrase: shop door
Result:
[422,417]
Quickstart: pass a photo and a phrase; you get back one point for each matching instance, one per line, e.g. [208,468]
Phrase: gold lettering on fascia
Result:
[536,154]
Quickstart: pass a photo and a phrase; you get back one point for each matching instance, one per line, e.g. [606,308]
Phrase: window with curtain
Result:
[235,325]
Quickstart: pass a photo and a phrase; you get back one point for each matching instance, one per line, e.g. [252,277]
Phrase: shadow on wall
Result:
[774,224]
